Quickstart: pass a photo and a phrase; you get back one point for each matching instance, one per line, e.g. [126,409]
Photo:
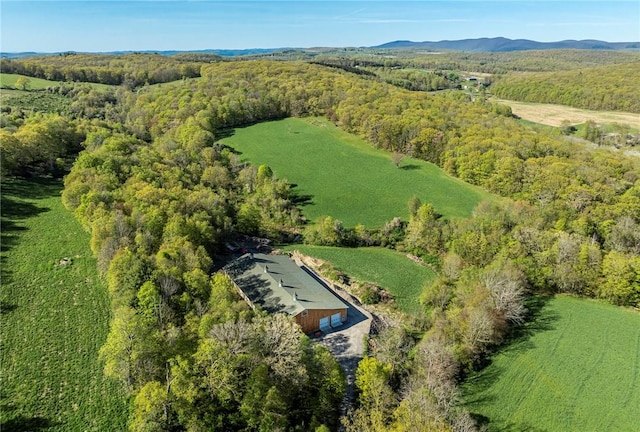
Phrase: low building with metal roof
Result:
[276,284]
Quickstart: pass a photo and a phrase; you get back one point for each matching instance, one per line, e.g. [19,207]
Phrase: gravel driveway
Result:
[347,343]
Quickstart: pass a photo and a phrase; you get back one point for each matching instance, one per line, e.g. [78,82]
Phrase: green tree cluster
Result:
[131,70]
[38,144]
[596,88]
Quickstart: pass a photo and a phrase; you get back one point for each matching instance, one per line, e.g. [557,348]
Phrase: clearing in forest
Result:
[554,115]
[345,177]
[11,81]
[576,367]
[54,318]
[388,269]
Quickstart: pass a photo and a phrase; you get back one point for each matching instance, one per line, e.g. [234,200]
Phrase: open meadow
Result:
[55,316]
[10,80]
[554,115]
[388,269]
[347,178]
[576,367]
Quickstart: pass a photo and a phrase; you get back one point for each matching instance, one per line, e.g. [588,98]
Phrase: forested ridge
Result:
[160,197]
[597,88]
[132,70]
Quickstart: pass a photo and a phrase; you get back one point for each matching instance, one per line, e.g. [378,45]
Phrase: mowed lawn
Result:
[54,319]
[578,370]
[345,177]
[389,269]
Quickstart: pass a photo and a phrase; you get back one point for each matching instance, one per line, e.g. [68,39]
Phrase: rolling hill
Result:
[501,44]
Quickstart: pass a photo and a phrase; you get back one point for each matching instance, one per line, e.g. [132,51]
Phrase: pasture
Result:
[576,367]
[345,177]
[554,115]
[55,317]
[9,81]
[388,269]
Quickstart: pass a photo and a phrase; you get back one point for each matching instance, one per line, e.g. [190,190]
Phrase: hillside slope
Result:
[501,44]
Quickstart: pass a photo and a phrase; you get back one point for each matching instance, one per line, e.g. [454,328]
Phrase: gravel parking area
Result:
[347,343]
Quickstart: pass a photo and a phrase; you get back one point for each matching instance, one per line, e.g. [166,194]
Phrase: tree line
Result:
[131,70]
[484,62]
[597,88]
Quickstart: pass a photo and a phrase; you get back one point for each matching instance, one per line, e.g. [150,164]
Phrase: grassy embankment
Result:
[389,269]
[54,319]
[576,367]
[345,177]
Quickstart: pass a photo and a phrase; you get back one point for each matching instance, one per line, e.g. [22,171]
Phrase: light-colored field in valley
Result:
[553,115]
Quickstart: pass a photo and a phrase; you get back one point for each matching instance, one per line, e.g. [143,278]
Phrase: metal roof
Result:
[283,287]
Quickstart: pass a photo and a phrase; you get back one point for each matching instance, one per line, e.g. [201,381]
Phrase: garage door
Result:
[336,320]
[324,323]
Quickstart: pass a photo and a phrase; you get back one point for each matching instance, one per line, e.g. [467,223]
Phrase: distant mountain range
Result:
[500,44]
[220,52]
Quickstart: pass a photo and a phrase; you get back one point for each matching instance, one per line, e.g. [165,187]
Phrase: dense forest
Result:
[597,88]
[493,63]
[160,197]
[130,70]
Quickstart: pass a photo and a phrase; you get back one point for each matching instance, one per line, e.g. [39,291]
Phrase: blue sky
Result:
[51,26]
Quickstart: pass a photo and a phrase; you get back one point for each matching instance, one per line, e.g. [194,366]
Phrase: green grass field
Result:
[9,80]
[54,319]
[346,177]
[576,368]
[389,269]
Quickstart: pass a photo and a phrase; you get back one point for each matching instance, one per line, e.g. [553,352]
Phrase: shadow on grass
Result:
[230,131]
[484,423]
[299,199]
[23,423]
[225,133]
[539,319]
[409,167]
[13,210]
[6,307]
[33,188]
[518,340]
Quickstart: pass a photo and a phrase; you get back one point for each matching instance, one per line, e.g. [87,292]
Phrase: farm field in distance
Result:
[55,317]
[9,80]
[577,368]
[389,269]
[347,178]
[553,115]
